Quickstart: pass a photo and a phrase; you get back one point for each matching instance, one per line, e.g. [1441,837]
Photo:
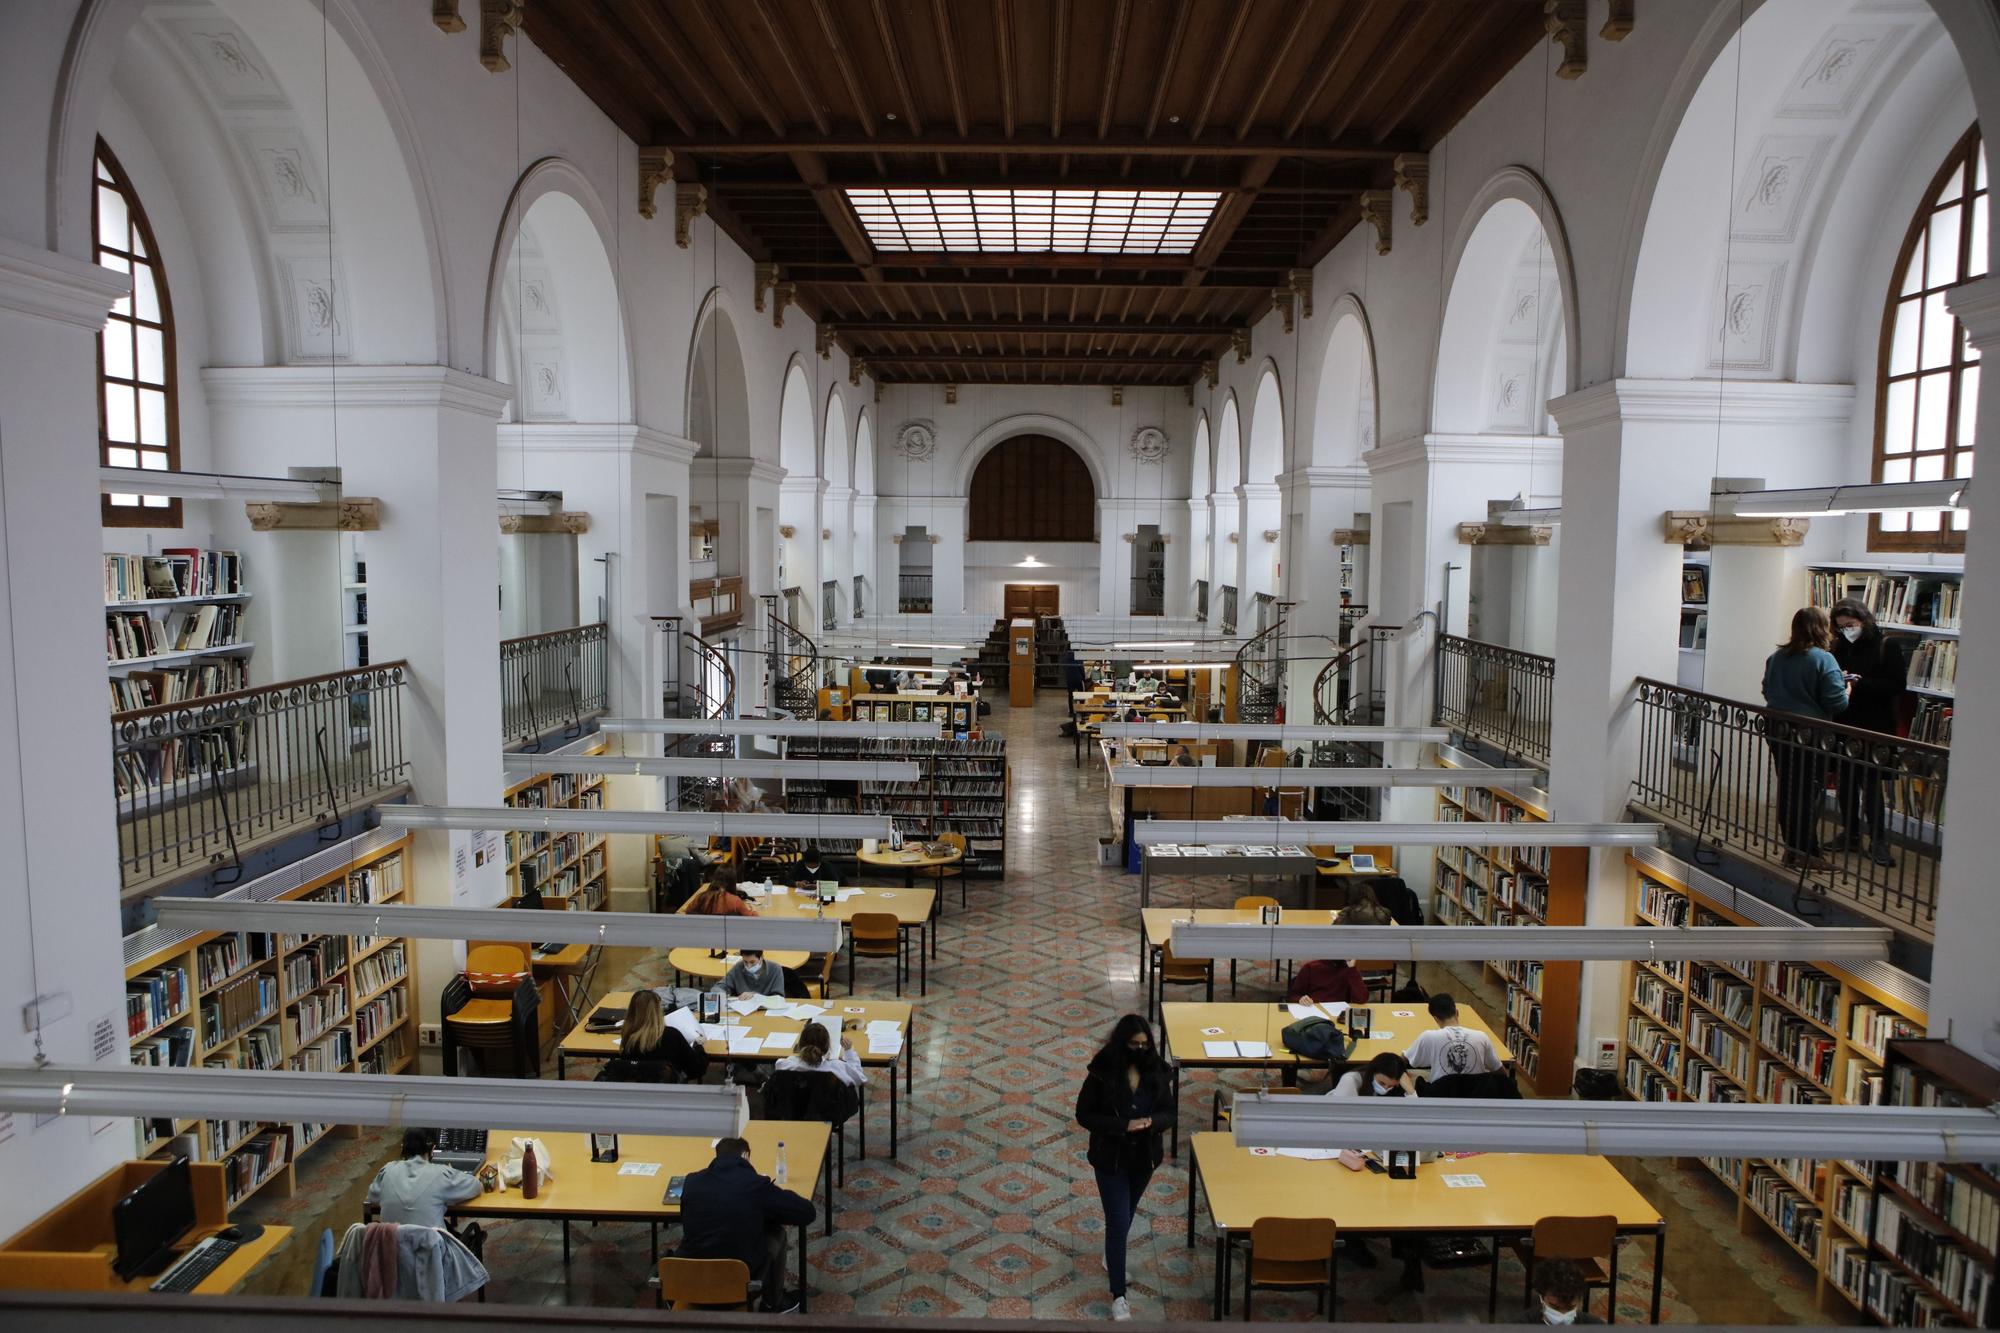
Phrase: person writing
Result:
[651,1052]
[1877,680]
[1387,1075]
[730,1211]
[1802,678]
[1127,1104]
[1184,757]
[812,1053]
[1452,1048]
[721,897]
[1328,981]
[415,1191]
[752,976]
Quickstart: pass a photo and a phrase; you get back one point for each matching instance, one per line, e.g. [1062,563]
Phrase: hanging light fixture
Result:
[698,824]
[1252,832]
[809,770]
[1143,775]
[1434,944]
[1284,733]
[1890,497]
[761,726]
[214,486]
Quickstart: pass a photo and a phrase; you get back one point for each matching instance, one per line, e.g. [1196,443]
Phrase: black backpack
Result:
[1316,1039]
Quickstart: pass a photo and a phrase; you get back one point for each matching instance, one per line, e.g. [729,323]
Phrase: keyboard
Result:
[462,1148]
[196,1265]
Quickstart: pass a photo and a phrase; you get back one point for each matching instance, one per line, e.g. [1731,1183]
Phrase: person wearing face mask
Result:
[1127,1104]
[1876,683]
[1387,1075]
[1559,1295]
[753,976]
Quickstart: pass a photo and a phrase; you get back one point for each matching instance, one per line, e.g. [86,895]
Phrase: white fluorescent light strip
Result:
[1432,944]
[211,485]
[1154,647]
[1180,666]
[1166,775]
[1284,733]
[1815,501]
[723,822]
[936,647]
[680,1110]
[836,770]
[905,666]
[1298,832]
[644,930]
[1531,518]
[1622,1129]
[761,726]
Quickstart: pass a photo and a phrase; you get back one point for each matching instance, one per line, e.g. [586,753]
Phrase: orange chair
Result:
[1380,974]
[494,969]
[1293,1253]
[956,870]
[1250,903]
[1174,971]
[704,1284]
[1591,1243]
[876,935]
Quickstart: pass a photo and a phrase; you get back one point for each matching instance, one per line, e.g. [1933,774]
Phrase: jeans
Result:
[1119,1189]
[1860,785]
[1801,787]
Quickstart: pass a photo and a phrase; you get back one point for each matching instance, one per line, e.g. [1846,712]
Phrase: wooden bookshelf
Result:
[570,869]
[250,1000]
[1920,605]
[1490,883]
[173,627]
[952,713]
[1735,1031]
[963,790]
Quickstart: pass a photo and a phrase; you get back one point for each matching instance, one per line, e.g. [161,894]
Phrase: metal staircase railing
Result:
[794,664]
[1260,672]
[702,685]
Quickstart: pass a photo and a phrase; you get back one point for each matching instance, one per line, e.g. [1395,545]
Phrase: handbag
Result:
[510,1165]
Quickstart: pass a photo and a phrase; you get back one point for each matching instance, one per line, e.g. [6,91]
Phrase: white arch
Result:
[1500,355]
[836,448]
[1033,423]
[718,386]
[798,432]
[864,452]
[1267,456]
[1201,479]
[1228,450]
[1345,419]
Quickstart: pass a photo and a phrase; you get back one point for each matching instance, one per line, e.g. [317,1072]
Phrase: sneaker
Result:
[788,1303]
[1120,1308]
[1882,856]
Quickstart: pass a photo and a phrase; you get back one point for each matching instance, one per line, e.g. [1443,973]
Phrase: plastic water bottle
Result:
[780,1173]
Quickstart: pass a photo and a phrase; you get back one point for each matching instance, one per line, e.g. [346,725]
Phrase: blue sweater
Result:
[1809,682]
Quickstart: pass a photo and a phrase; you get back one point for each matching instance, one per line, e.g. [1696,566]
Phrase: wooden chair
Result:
[1380,974]
[957,869]
[1218,1112]
[493,969]
[502,1030]
[876,935]
[821,986]
[1174,971]
[706,1284]
[1251,902]
[1591,1243]
[1293,1253]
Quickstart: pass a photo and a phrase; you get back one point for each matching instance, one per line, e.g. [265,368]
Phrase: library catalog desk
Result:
[70,1247]
[1516,1190]
[587,1191]
[855,1016]
[912,908]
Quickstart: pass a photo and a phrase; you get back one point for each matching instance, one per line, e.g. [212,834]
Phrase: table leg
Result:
[1145,881]
[654,1228]
[1659,1266]
[1221,1273]
[829,1186]
[565,1230]
[1175,1132]
[562,1070]
[892,1112]
[861,1112]
[805,1292]
[1194,1182]
[923,961]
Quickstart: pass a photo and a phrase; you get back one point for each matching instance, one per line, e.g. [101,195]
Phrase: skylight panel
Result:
[1134,222]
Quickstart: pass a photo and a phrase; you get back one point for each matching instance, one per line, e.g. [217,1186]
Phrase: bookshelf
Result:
[173,626]
[1933,1228]
[250,1000]
[1489,883]
[1696,574]
[1735,1031]
[963,790]
[569,869]
[1920,605]
[953,713]
[354,605]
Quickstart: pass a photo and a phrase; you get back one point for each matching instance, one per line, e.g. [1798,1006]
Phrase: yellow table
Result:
[1156,924]
[912,908]
[587,1191]
[695,962]
[910,862]
[854,1015]
[1244,1184]
[227,1275]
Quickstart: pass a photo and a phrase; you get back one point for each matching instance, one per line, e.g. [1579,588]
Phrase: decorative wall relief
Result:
[227,62]
[1777,185]
[1836,72]
[917,440]
[291,182]
[1743,327]
[1149,444]
[318,325]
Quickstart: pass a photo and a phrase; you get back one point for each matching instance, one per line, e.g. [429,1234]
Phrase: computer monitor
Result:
[148,1221]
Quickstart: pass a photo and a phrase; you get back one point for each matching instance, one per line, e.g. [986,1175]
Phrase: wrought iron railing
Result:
[794,664]
[700,683]
[1803,794]
[913,594]
[553,680]
[1501,696]
[1201,600]
[1228,617]
[1260,669]
[717,603]
[197,780]
[1347,692]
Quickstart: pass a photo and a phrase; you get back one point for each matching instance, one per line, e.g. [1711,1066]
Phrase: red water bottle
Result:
[531,1173]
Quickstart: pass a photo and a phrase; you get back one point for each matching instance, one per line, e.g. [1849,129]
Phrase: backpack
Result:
[1316,1039]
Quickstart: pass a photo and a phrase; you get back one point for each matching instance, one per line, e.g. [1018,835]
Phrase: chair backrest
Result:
[809,1094]
[956,840]
[1292,1239]
[1183,969]
[1254,901]
[1575,1237]
[704,1281]
[874,927]
[492,969]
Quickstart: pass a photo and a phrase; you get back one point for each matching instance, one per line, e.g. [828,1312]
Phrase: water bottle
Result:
[780,1173]
[531,1173]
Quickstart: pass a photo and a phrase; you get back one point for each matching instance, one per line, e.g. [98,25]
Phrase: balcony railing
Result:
[829,603]
[552,680]
[717,603]
[1782,788]
[860,596]
[1499,695]
[913,594]
[1201,600]
[197,781]
[1228,617]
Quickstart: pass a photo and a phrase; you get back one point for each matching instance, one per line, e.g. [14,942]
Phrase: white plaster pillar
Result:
[59,919]
[945,515]
[864,556]
[1322,500]
[837,548]
[1195,567]
[800,508]
[1752,592]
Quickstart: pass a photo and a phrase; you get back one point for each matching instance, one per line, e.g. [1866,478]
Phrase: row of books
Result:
[1973,1210]
[182,684]
[1706,1083]
[1655,1043]
[379,969]
[1781,1204]
[171,1049]
[329,1056]
[1657,998]
[240,1004]
[178,571]
[260,1158]
[152,998]
[1809,1050]
[1807,989]
[1955,1272]
[138,771]
[314,1014]
[1931,722]
[224,956]
[376,883]
[1934,665]
[1729,1051]
[1872,1028]
[1722,992]
[129,635]
[380,1014]
[1893,599]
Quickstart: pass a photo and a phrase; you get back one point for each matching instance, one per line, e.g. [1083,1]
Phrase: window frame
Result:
[1964,155]
[124,516]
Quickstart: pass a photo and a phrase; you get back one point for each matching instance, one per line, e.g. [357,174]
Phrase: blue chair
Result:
[322,1264]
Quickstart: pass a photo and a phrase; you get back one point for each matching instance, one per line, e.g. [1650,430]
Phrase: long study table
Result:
[913,909]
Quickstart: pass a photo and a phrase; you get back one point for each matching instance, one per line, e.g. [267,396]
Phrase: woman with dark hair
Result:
[1876,683]
[1802,678]
[721,897]
[1127,1104]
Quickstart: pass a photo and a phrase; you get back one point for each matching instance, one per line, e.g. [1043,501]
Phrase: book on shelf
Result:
[130,635]
[178,684]
[1934,665]
[176,572]
[1916,600]
[152,998]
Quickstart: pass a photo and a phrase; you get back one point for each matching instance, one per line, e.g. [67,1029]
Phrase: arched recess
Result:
[864,454]
[862,585]
[1226,513]
[1261,508]
[1201,474]
[1034,423]
[1344,420]
[1201,490]
[836,547]
[1031,488]
[1228,451]
[836,448]
[799,498]
[1506,345]
[1267,455]
[555,320]
[798,435]
[718,387]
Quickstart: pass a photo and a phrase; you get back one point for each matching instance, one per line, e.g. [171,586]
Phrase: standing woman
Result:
[1127,1104]
[1803,678]
[1876,684]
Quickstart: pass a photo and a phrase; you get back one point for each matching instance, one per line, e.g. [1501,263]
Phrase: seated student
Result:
[1560,1294]
[721,897]
[1387,1075]
[729,1211]
[1184,757]
[651,1052]
[1328,981]
[811,1054]
[752,976]
[415,1191]
[811,865]
[1451,1049]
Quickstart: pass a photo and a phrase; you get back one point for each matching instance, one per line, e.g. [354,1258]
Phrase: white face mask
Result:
[1851,633]
[1381,1091]
[752,966]
[1551,1316]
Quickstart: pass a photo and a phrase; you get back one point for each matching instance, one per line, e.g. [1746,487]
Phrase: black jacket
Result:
[725,1208]
[1104,1107]
[1872,700]
[673,1060]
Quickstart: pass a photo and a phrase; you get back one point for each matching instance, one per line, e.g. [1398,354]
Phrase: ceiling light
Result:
[1029,563]
[1620,1129]
[538,503]
[213,486]
[837,770]
[1284,733]
[1257,832]
[905,667]
[1817,501]
[1143,775]
[761,726]
[1531,518]
[1181,666]
[680,1110]
[935,647]
[1157,644]
[1436,944]
[716,822]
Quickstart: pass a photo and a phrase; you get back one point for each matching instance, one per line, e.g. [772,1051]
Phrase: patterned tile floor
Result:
[990,1208]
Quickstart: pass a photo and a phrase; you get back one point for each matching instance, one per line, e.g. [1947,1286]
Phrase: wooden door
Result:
[1028,600]
[1048,599]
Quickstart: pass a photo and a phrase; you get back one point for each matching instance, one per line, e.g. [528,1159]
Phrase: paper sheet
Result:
[1219,1050]
[638,1168]
[884,1027]
[1310,1154]
[780,1041]
[683,1022]
[807,1010]
[745,1006]
[1254,1050]
[745,1044]
[1464,1182]
[885,1045]
[715,1031]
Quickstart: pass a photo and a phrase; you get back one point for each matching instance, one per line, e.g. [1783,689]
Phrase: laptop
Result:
[462,1148]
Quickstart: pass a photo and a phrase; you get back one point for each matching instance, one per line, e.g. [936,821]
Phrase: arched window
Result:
[1928,396]
[1032,488]
[138,421]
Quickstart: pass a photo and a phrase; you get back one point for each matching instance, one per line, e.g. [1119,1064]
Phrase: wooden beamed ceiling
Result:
[1289,108]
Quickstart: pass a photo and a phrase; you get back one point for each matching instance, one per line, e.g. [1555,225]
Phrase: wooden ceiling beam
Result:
[829,27]
[1058,49]
[1273,61]
[781,42]
[648,23]
[1380,63]
[1159,177]
[1229,215]
[987,141]
[1087,328]
[1175,40]
[737,64]
[1473,33]
[948,58]
[1003,51]
[1331,52]
[1034,262]
[1030,359]
[560,45]
[1114,64]
[1240,15]
[1170,280]
[886,30]
[812,170]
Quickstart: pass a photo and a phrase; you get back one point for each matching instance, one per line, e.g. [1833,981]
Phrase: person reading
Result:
[1328,981]
[731,1211]
[649,1051]
[721,897]
[1451,1048]
[415,1191]
[753,976]
[1559,1295]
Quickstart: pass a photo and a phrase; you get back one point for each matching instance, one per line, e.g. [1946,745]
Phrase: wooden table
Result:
[912,908]
[587,1191]
[855,1015]
[910,862]
[227,1275]
[1156,924]
[1294,865]
[1244,1184]
[569,968]
[697,962]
